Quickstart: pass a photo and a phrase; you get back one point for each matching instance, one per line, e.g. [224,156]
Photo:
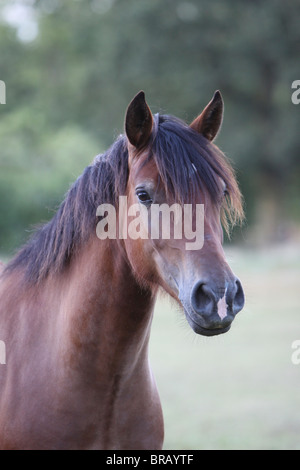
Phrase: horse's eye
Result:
[144,197]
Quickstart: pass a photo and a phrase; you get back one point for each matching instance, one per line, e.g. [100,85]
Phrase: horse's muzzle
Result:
[213,307]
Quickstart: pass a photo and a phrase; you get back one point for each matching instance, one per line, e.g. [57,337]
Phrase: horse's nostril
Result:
[202,298]
[239,298]
[205,298]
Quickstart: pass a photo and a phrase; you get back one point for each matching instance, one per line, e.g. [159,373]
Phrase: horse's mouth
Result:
[214,330]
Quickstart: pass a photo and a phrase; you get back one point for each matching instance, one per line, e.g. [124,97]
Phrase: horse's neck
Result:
[107,313]
[83,335]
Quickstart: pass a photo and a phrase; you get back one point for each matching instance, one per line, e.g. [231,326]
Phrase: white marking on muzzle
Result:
[222,307]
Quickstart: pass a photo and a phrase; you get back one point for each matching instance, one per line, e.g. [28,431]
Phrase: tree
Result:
[74,80]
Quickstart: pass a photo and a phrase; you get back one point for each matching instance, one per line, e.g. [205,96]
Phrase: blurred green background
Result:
[70,68]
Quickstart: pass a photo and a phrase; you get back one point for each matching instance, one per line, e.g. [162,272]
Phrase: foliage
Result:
[68,88]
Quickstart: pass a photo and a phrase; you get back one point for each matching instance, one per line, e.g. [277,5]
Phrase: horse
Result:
[76,308]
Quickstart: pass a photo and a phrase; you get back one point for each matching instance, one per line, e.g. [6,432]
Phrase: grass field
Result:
[239,390]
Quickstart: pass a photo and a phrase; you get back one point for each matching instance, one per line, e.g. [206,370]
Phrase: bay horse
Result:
[76,311]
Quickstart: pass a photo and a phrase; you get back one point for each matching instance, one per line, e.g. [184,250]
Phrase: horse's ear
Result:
[138,121]
[209,121]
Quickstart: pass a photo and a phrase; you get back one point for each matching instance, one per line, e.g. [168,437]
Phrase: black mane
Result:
[53,244]
[184,160]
